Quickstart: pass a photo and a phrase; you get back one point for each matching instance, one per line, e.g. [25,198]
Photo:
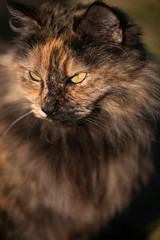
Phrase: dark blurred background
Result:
[141,221]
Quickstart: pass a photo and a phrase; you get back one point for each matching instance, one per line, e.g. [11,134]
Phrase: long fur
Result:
[63,181]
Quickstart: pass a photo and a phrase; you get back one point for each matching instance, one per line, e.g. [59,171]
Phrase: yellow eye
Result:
[35,77]
[78,78]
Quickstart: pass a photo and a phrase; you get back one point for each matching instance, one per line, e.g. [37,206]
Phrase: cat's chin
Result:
[67,121]
[64,123]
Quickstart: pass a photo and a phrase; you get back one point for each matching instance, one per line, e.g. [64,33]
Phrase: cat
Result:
[80,97]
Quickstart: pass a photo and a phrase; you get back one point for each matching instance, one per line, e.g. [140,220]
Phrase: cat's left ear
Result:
[23,18]
[100,23]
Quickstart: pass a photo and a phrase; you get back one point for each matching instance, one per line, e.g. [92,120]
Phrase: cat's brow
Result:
[58,57]
[61,59]
[54,45]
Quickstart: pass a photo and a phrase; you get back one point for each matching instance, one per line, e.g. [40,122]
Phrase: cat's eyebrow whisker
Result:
[16,121]
[112,45]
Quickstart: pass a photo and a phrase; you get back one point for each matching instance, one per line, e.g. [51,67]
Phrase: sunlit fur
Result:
[63,174]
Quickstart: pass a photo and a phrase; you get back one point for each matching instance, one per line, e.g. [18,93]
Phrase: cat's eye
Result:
[78,78]
[35,77]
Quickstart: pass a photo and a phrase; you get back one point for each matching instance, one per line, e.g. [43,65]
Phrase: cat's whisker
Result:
[96,116]
[91,121]
[13,124]
[100,118]
[111,107]
[11,110]
[128,111]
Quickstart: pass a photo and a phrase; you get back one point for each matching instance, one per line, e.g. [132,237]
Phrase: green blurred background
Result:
[147,15]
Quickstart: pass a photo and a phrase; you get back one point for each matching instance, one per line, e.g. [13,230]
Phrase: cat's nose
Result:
[49,110]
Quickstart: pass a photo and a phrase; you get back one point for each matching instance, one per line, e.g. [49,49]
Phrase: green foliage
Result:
[154,231]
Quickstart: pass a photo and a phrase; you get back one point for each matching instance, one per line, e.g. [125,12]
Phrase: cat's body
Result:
[64,180]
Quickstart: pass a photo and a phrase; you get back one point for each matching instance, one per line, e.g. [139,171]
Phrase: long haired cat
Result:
[79,99]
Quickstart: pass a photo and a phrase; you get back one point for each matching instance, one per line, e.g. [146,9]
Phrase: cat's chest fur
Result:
[71,174]
[67,176]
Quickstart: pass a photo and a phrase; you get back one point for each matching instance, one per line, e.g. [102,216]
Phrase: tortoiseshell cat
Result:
[79,98]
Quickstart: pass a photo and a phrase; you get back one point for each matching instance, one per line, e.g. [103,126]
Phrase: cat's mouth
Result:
[63,116]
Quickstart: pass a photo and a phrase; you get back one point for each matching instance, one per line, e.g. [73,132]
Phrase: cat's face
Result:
[57,84]
[69,59]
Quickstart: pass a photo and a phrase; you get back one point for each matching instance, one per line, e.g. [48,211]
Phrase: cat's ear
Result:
[23,18]
[100,23]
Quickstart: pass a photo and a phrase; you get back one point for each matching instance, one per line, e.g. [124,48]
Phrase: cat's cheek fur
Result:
[38,112]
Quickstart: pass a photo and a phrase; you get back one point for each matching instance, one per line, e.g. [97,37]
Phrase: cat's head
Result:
[69,58]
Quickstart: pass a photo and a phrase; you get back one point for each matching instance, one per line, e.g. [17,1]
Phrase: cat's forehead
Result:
[54,56]
[58,18]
